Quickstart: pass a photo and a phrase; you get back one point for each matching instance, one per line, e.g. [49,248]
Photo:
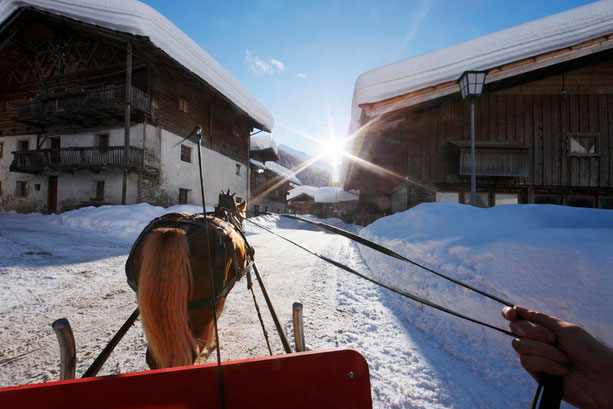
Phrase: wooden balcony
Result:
[73,159]
[84,109]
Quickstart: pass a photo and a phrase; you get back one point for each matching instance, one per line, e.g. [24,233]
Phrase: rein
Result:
[549,390]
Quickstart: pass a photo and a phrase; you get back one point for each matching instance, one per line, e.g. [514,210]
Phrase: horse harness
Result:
[222,222]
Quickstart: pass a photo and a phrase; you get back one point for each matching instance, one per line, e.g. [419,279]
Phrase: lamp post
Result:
[471,86]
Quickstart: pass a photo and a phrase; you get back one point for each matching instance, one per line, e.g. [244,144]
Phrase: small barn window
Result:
[1,149]
[548,199]
[238,169]
[103,141]
[447,197]
[583,144]
[256,210]
[183,196]
[506,198]
[21,189]
[605,202]
[98,190]
[183,105]
[186,153]
[580,201]
[483,199]
[23,145]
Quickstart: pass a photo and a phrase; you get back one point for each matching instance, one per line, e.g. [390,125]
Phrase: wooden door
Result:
[52,195]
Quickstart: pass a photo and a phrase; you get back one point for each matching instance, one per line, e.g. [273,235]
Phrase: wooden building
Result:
[269,181]
[95,102]
[543,125]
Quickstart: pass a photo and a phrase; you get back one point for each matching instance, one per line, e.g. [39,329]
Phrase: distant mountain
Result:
[319,174]
[321,164]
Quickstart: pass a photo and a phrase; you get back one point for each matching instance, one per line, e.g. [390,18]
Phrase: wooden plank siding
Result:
[540,121]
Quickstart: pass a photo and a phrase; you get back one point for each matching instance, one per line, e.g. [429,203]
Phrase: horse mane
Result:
[164,286]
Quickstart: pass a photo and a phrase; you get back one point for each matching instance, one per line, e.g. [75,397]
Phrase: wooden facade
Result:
[544,136]
[60,76]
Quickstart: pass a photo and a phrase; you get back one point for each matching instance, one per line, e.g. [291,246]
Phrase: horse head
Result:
[229,204]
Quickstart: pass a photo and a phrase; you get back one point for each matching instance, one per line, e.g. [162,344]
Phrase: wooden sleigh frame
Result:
[320,379]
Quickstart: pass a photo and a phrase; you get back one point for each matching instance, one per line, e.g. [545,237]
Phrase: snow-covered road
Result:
[417,359]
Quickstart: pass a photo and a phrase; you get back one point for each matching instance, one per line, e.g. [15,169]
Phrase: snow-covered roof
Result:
[526,40]
[299,190]
[333,195]
[137,18]
[262,141]
[283,172]
[257,164]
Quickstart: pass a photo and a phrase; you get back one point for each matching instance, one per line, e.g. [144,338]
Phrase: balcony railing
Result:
[100,104]
[71,159]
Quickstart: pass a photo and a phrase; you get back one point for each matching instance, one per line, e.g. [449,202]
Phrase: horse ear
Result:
[242,206]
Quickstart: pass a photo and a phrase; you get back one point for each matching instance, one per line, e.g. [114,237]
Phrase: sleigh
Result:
[320,379]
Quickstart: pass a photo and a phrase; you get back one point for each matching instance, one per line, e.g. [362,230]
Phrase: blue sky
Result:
[301,59]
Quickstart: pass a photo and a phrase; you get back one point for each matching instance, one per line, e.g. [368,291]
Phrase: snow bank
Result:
[550,258]
[120,221]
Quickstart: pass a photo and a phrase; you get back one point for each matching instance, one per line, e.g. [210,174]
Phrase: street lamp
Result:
[471,86]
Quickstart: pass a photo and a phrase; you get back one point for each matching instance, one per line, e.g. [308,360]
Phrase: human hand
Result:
[557,347]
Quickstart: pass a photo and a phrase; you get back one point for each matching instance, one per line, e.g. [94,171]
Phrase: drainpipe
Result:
[126,142]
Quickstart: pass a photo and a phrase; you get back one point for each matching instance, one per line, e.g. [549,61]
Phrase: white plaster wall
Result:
[219,172]
[72,188]
[36,200]
[273,206]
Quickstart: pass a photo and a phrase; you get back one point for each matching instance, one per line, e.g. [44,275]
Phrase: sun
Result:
[333,149]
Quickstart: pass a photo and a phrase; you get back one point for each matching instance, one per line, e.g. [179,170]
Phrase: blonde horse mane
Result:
[164,286]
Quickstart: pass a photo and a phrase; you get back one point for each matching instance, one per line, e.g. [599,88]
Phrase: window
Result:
[23,145]
[580,201]
[103,141]
[98,190]
[0,188]
[238,169]
[256,210]
[548,199]
[183,105]
[447,196]
[1,149]
[605,202]
[236,132]
[265,208]
[21,188]
[37,187]
[186,154]
[482,199]
[183,196]
[506,198]
[583,144]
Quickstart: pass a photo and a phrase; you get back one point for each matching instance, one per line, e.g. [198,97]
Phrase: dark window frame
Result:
[183,196]
[98,191]
[594,135]
[21,188]
[186,152]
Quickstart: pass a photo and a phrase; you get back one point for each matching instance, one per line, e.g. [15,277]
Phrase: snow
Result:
[282,171]
[137,18]
[526,40]
[332,194]
[551,258]
[261,141]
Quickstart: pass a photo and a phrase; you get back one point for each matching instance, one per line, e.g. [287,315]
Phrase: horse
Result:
[168,267]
